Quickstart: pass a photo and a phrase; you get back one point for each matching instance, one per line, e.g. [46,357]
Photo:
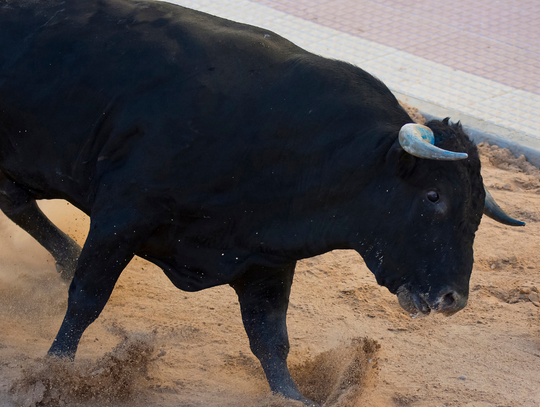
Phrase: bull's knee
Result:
[13,199]
[268,338]
[82,307]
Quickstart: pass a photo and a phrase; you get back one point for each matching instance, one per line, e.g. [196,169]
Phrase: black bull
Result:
[223,154]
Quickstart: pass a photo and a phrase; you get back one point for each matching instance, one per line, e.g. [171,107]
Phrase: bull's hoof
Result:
[301,399]
[309,403]
[62,351]
[61,356]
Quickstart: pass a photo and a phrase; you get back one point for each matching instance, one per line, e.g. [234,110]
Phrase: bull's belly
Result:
[197,268]
[190,278]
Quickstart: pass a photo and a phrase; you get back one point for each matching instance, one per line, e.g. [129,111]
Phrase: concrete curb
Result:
[480,131]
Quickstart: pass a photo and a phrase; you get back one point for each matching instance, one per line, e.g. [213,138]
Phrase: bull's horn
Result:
[495,212]
[419,141]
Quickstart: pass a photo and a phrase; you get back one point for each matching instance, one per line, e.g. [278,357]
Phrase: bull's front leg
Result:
[109,247]
[263,294]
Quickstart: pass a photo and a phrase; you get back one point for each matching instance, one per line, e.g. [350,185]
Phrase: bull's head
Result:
[433,211]
[419,141]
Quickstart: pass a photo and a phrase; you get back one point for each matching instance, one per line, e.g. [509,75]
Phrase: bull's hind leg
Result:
[21,208]
[263,294]
[111,243]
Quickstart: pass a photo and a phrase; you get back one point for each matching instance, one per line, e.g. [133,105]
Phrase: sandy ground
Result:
[351,343]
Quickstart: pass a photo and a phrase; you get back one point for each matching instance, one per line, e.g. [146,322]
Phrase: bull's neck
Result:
[322,212]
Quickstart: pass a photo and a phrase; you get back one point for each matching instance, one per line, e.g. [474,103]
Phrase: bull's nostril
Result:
[449,301]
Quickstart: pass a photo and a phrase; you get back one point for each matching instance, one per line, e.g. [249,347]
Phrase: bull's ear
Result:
[403,162]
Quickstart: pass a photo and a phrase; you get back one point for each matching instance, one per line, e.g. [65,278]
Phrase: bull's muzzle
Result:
[446,302]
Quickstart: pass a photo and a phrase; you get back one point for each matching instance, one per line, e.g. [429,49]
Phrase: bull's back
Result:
[76,77]
[86,86]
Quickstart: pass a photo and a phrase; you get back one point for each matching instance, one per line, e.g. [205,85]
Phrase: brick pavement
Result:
[498,40]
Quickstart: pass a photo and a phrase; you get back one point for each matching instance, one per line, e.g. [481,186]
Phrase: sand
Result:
[351,343]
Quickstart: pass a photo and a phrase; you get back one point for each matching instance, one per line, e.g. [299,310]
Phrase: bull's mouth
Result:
[413,303]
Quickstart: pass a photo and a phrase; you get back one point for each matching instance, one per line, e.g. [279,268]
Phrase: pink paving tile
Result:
[503,36]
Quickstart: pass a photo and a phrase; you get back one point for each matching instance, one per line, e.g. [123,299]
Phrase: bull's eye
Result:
[433,196]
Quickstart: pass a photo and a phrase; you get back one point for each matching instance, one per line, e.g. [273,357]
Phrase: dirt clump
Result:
[339,376]
[504,159]
[334,378]
[51,382]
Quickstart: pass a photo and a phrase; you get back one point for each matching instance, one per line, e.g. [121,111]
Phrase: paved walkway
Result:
[480,58]
[498,40]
